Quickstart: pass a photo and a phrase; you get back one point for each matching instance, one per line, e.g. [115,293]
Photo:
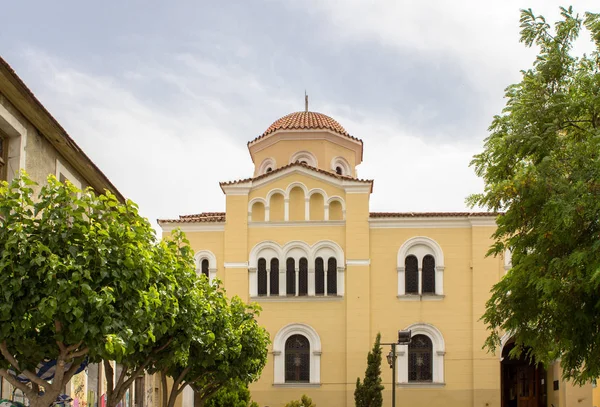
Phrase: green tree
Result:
[226,343]
[174,285]
[80,276]
[235,394]
[368,393]
[304,401]
[541,166]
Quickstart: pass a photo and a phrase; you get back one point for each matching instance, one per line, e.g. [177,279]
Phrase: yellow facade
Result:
[315,209]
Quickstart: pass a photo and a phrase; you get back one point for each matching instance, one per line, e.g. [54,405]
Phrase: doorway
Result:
[523,382]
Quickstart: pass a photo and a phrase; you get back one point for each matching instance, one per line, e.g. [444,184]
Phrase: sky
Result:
[163,96]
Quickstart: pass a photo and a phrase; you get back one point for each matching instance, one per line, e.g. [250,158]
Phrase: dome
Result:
[306,121]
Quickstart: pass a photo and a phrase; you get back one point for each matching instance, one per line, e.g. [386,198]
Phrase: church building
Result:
[298,237]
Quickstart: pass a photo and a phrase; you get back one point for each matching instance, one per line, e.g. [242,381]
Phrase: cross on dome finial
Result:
[305,101]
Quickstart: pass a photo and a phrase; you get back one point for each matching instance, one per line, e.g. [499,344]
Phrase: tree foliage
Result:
[369,392]
[225,344]
[235,394]
[541,166]
[304,401]
[81,276]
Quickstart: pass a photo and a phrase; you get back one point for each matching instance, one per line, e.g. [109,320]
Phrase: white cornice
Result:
[358,262]
[193,227]
[429,222]
[307,134]
[303,223]
[349,185]
[233,265]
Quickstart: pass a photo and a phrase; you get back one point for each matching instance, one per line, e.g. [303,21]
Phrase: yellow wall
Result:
[323,150]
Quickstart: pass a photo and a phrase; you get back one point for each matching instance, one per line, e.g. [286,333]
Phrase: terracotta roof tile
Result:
[306,121]
[431,214]
[297,164]
[196,218]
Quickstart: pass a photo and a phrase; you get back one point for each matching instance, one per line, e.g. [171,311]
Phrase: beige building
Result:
[298,237]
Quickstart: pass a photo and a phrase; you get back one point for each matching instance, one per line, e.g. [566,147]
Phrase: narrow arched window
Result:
[274,277]
[319,276]
[262,276]
[332,276]
[420,359]
[303,277]
[411,274]
[338,170]
[297,359]
[428,283]
[205,267]
[290,276]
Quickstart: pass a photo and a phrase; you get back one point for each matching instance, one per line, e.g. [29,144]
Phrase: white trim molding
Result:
[304,156]
[358,262]
[168,227]
[438,352]
[234,265]
[279,352]
[17,143]
[296,250]
[212,263]
[266,164]
[69,176]
[421,246]
[343,164]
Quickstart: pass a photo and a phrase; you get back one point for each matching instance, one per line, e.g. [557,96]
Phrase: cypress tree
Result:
[368,393]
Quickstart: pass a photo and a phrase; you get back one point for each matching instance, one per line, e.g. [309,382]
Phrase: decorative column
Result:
[307,208]
[286,209]
[253,281]
[340,280]
[311,282]
[401,281]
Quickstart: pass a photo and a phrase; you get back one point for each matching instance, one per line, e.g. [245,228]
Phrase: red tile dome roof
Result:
[306,121]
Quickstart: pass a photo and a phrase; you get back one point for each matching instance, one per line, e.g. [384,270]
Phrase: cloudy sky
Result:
[163,96]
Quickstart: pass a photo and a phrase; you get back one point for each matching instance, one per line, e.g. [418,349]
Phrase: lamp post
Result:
[404,338]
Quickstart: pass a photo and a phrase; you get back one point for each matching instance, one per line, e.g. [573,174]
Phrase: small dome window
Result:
[269,169]
[340,166]
[304,157]
[338,170]
[266,166]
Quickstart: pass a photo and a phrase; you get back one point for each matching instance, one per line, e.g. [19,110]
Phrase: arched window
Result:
[290,276]
[339,170]
[303,277]
[206,264]
[412,275]
[332,276]
[420,359]
[297,355]
[421,269]
[428,275]
[423,361]
[262,276]
[319,276]
[204,267]
[274,277]
[297,359]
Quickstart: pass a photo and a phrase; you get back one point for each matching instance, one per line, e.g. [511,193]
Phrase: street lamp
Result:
[404,338]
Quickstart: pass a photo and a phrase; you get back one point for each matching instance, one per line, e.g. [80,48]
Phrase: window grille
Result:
[319,276]
[303,277]
[428,283]
[297,359]
[420,363]
[411,274]
[262,276]
[290,276]
[274,277]
[205,267]
[332,276]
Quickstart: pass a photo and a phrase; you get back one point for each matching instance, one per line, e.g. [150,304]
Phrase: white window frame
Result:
[212,263]
[420,246]
[16,137]
[307,156]
[438,352]
[267,163]
[279,354]
[296,250]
